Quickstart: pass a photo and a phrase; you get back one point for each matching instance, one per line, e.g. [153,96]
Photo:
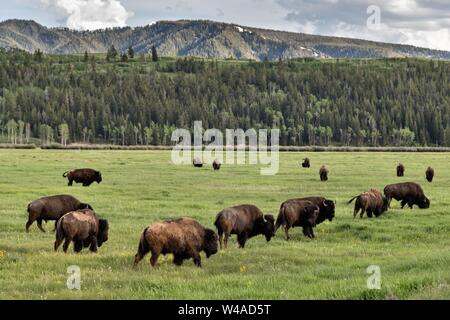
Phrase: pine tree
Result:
[154,54]
[130,52]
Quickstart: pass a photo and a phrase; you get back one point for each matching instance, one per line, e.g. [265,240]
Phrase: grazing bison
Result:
[305,163]
[298,214]
[216,164]
[326,207]
[371,202]
[323,172]
[184,237]
[84,176]
[408,193]
[84,228]
[52,208]
[400,170]
[429,174]
[197,163]
[246,221]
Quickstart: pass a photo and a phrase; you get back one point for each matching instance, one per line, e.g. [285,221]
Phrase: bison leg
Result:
[311,232]
[306,232]
[29,223]
[242,238]
[225,240]
[403,203]
[177,259]
[77,246]
[362,213]
[369,213]
[39,224]
[286,232]
[355,211]
[66,244]
[154,258]
[93,246]
[70,183]
[220,239]
[58,243]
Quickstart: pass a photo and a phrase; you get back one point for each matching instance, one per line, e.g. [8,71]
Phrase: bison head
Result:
[424,203]
[328,209]
[268,226]
[98,176]
[210,243]
[103,228]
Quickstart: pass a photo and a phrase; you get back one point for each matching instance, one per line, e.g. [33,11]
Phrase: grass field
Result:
[412,247]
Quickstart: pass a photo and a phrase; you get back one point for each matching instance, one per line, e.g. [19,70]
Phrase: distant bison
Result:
[400,170]
[85,176]
[323,172]
[371,202]
[184,237]
[197,163]
[246,221]
[216,164]
[429,174]
[52,208]
[305,163]
[84,228]
[408,193]
[301,213]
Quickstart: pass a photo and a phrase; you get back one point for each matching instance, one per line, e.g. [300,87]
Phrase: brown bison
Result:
[52,208]
[197,163]
[301,213]
[371,202]
[216,164]
[246,221]
[85,176]
[326,207]
[429,174]
[305,163]
[84,228]
[323,172]
[400,170]
[408,193]
[185,238]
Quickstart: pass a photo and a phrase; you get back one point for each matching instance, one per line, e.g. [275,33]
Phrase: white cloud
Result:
[92,14]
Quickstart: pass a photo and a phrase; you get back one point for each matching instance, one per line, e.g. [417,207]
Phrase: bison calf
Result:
[323,172]
[184,237]
[85,176]
[400,170]
[429,174]
[216,164]
[83,228]
[301,213]
[306,163]
[52,208]
[408,193]
[371,202]
[246,221]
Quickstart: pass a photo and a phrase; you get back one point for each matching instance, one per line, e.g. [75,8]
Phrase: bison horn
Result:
[325,204]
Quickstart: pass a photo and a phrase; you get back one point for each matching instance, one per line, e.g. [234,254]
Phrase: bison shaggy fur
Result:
[84,228]
[52,208]
[85,176]
[185,238]
[372,202]
[246,221]
[408,193]
[300,213]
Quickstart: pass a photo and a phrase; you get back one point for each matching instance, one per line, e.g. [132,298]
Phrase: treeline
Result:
[398,102]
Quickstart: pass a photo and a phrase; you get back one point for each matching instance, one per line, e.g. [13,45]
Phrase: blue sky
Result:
[418,22]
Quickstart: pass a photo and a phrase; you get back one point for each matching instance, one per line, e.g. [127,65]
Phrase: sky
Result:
[424,23]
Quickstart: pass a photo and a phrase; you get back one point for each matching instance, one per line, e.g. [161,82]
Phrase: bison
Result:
[429,174]
[246,221]
[371,202]
[84,228]
[216,164]
[400,170]
[197,162]
[185,238]
[85,176]
[327,207]
[52,208]
[305,163]
[323,172]
[408,193]
[301,213]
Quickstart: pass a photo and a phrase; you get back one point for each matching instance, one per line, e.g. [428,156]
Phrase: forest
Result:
[140,100]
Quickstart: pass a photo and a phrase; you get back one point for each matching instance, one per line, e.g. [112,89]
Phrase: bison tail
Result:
[280,219]
[60,230]
[351,200]
[144,246]
[65,174]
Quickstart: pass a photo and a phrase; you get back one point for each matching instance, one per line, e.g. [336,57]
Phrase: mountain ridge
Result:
[203,38]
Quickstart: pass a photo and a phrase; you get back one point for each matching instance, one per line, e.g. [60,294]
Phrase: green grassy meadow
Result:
[412,247]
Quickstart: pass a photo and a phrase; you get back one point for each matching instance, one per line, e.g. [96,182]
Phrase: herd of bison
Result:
[185,238]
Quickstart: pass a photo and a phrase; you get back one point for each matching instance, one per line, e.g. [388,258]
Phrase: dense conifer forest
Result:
[128,99]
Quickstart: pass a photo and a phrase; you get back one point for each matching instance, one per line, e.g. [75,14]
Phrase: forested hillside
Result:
[137,101]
